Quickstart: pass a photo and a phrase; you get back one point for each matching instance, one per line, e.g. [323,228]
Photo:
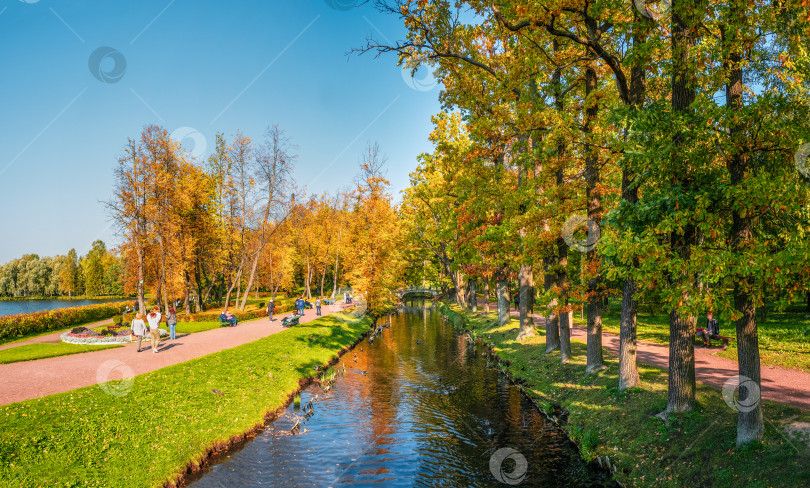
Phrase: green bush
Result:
[62,318]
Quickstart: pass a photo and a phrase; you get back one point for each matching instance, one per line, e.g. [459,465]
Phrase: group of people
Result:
[301,304]
[227,317]
[153,318]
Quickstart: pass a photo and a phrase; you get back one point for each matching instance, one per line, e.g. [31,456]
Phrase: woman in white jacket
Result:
[138,328]
[154,323]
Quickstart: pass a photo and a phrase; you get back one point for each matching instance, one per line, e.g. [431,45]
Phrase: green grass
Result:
[696,449]
[192,327]
[29,352]
[784,338]
[168,419]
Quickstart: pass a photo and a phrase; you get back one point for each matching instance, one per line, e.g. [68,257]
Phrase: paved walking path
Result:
[778,384]
[33,379]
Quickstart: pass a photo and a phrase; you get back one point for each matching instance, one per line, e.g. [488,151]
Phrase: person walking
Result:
[154,328]
[318,306]
[303,305]
[271,307]
[171,321]
[138,328]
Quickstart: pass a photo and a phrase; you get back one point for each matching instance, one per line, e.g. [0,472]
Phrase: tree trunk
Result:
[307,279]
[335,279]
[232,286]
[565,315]
[565,319]
[187,292]
[526,302]
[486,295]
[628,366]
[163,284]
[139,254]
[323,280]
[473,296]
[249,283]
[595,360]
[628,361]
[750,426]
[681,388]
[461,290]
[503,302]
[552,318]
[681,391]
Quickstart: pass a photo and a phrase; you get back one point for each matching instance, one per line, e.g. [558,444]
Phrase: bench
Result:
[223,322]
[724,340]
[289,321]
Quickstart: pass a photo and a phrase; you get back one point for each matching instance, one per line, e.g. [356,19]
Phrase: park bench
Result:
[724,340]
[290,320]
[223,322]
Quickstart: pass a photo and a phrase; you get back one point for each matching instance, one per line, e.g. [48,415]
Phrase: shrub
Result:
[29,323]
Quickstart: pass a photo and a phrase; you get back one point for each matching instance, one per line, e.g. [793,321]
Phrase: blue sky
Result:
[211,66]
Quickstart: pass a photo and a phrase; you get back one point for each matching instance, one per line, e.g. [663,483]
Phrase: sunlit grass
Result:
[168,419]
[30,352]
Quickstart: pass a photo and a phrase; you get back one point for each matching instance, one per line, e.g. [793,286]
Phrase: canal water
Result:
[12,307]
[418,406]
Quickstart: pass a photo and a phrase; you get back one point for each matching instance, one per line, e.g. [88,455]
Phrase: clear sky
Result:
[81,76]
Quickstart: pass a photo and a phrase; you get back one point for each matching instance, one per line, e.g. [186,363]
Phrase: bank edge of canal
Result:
[219,450]
[620,431]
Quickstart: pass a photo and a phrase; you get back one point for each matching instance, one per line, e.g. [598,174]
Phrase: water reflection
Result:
[421,406]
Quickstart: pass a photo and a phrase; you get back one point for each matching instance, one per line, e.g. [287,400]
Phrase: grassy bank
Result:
[696,449]
[168,419]
[30,352]
[784,338]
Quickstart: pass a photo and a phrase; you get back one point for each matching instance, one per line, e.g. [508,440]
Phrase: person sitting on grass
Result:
[712,330]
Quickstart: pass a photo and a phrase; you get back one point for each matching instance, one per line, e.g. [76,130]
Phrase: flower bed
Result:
[28,323]
[82,335]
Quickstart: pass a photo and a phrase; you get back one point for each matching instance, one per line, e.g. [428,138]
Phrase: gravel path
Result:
[33,379]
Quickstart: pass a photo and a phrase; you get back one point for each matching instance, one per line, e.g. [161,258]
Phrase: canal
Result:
[417,405]
[13,307]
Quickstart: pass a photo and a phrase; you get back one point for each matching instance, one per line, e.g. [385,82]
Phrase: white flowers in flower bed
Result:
[101,340]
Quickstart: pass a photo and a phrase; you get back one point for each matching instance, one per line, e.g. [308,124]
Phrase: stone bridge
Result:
[417,292]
